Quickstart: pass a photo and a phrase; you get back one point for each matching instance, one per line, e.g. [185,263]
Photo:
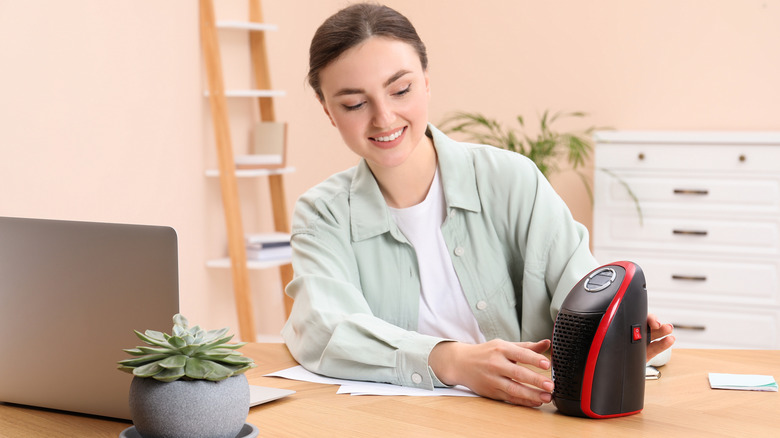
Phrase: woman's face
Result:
[377,94]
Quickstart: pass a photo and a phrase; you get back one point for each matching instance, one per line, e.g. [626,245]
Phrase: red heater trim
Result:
[598,339]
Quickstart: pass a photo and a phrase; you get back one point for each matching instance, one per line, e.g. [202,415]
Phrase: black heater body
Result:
[599,344]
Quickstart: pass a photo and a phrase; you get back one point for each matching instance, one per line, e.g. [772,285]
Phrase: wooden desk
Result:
[681,403]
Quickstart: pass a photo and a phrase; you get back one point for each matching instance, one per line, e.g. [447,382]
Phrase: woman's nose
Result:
[384,116]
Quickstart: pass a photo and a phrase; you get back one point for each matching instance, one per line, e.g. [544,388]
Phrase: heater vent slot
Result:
[572,337]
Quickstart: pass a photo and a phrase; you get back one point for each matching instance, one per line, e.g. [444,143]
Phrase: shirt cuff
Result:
[413,366]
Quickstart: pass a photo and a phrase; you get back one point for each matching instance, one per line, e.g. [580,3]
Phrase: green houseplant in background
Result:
[190,383]
[545,149]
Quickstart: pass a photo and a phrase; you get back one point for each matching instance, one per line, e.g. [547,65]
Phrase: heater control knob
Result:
[600,280]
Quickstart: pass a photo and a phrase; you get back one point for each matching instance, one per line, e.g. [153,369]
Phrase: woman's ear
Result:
[327,113]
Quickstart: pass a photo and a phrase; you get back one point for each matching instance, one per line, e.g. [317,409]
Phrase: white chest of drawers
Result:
[708,239]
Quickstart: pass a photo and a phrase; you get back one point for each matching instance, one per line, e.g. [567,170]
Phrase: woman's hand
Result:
[496,370]
[658,330]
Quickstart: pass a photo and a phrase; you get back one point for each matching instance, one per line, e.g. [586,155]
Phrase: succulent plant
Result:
[188,354]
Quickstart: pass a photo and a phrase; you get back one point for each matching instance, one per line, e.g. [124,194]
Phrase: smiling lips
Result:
[389,140]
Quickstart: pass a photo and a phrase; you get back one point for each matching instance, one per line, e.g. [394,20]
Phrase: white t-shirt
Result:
[444,310]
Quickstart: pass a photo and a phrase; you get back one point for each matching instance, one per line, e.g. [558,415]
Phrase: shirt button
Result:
[416,378]
[459,251]
[481,305]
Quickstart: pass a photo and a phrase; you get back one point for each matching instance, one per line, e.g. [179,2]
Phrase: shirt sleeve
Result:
[331,330]
[558,256]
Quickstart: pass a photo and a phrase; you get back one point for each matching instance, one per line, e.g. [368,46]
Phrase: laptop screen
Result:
[71,294]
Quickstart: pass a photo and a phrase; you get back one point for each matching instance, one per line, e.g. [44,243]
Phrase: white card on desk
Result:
[745,382]
[354,387]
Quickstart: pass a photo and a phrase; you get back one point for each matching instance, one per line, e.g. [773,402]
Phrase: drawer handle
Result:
[698,328]
[691,192]
[689,277]
[689,232]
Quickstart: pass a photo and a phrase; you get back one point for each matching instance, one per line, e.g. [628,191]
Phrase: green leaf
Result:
[196,368]
[148,370]
[227,360]
[169,374]
[179,331]
[630,193]
[206,370]
[212,355]
[152,340]
[125,369]
[226,349]
[180,320]
[154,334]
[155,350]
[139,361]
[211,335]
[177,342]
[212,344]
[189,350]
[174,361]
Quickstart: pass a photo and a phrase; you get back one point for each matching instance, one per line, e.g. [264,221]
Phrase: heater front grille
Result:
[572,337]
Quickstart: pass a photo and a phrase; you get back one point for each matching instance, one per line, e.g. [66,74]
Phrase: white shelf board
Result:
[251,93]
[252,173]
[224,263]
[245,25]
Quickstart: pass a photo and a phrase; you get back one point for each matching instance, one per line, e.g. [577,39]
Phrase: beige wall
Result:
[102,118]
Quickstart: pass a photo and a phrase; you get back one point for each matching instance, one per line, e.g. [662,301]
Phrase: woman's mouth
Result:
[389,139]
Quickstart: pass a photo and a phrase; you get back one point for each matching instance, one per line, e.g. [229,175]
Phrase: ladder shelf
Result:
[227,173]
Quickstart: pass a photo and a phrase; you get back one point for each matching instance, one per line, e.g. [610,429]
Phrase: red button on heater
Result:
[636,333]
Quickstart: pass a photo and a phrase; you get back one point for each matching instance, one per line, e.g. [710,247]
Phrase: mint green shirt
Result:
[514,245]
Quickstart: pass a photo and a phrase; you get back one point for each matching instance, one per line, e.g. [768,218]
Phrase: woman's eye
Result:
[353,107]
[404,91]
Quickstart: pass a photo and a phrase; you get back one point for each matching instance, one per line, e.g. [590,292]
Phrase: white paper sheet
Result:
[355,387]
[745,382]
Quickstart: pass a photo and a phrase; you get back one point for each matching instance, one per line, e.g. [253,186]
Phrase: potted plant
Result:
[190,383]
[545,149]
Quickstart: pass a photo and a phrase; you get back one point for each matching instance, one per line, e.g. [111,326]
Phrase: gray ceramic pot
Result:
[189,408]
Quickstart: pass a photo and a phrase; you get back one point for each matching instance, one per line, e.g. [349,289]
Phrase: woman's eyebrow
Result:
[395,77]
[346,91]
[398,75]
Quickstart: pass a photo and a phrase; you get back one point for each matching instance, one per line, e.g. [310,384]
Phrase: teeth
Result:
[390,137]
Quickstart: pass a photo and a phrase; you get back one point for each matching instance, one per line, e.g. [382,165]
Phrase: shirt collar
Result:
[369,215]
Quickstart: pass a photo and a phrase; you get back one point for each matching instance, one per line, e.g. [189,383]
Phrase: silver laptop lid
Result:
[71,294]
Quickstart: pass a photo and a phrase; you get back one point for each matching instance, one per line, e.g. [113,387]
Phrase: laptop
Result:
[71,294]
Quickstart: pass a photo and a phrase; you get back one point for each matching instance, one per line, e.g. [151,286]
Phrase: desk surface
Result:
[681,403]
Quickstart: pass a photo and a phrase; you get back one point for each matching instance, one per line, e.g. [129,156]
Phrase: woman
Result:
[432,262]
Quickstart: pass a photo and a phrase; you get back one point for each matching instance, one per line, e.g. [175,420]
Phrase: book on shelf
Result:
[268,246]
[267,148]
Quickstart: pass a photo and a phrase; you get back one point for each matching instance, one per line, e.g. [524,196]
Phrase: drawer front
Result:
[694,281]
[695,235]
[688,158]
[691,194]
[711,328]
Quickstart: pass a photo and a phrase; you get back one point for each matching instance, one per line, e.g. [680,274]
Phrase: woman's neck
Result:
[408,184]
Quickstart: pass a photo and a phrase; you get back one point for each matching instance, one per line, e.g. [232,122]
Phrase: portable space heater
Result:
[599,344]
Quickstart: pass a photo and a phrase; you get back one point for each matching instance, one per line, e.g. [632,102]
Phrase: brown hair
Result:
[353,25]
